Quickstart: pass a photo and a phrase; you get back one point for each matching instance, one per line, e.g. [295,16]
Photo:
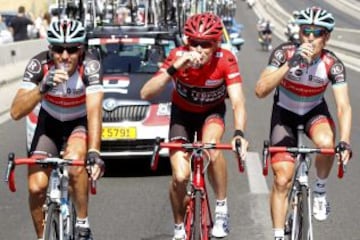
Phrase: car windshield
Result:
[133,56]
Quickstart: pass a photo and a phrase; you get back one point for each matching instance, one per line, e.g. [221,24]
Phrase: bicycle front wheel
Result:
[52,230]
[197,233]
[305,231]
[299,220]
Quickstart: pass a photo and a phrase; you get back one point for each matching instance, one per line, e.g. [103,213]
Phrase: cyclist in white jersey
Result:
[299,75]
[67,81]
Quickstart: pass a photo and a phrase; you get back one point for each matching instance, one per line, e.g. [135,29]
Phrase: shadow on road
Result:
[136,167]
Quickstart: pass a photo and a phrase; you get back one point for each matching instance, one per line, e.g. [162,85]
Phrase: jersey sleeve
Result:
[337,73]
[280,55]
[34,72]
[93,74]
[231,68]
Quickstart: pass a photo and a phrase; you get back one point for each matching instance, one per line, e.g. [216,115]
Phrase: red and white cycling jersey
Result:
[200,89]
[66,101]
[303,86]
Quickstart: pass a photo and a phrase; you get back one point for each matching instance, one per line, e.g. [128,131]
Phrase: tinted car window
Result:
[134,57]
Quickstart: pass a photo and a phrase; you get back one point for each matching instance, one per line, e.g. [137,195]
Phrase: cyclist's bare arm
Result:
[24,102]
[94,115]
[237,99]
[344,114]
[157,83]
[269,79]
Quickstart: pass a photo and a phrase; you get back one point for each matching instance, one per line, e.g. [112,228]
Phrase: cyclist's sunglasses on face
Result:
[317,32]
[60,49]
[201,43]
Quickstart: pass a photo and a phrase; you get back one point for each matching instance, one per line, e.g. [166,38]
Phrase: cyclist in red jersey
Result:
[67,81]
[203,74]
[300,75]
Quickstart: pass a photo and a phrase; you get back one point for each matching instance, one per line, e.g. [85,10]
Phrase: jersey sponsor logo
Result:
[298,72]
[280,56]
[337,68]
[34,66]
[92,67]
[316,79]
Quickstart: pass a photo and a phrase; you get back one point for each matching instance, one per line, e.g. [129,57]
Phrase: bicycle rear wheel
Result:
[51,230]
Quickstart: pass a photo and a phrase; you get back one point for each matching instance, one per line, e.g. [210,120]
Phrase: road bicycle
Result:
[198,220]
[59,211]
[298,224]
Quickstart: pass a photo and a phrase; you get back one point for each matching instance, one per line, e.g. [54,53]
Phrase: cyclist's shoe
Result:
[321,207]
[83,234]
[179,237]
[221,226]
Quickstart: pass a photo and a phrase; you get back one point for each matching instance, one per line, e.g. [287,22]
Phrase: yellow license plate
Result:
[111,133]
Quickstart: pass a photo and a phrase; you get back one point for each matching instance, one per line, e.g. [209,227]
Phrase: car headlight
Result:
[164,109]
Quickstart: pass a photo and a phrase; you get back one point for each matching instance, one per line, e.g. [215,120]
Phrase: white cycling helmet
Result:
[316,16]
[66,31]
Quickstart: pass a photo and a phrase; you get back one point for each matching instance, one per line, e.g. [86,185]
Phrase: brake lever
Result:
[238,155]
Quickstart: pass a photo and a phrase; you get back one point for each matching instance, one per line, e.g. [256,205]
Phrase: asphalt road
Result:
[132,202]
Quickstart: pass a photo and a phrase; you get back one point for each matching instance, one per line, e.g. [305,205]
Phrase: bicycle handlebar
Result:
[195,146]
[51,161]
[300,150]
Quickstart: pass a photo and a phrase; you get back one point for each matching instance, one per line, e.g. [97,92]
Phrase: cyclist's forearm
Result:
[345,115]
[24,102]
[155,85]
[269,80]
[240,116]
[94,111]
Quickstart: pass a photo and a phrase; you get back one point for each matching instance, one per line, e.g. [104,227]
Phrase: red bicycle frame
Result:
[198,220]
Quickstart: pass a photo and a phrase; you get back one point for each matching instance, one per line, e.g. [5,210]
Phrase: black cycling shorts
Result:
[184,124]
[51,135]
[284,123]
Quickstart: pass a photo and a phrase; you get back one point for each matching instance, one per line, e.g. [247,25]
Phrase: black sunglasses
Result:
[61,49]
[317,32]
[202,44]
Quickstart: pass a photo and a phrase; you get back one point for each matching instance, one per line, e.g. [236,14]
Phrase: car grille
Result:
[126,113]
[139,145]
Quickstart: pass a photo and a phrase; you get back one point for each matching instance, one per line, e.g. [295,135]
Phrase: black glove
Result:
[48,83]
[342,146]
[93,157]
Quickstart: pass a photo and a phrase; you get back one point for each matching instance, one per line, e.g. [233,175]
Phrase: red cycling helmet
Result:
[204,26]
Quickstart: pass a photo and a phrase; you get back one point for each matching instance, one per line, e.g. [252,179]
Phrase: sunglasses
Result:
[202,44]
[317,32]
[61,49]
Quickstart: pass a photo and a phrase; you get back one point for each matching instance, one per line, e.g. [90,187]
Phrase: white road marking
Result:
[257,182]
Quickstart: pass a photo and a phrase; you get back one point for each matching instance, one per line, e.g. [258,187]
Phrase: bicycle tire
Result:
[72,219]
[51,230]
[189,219]
[197,226]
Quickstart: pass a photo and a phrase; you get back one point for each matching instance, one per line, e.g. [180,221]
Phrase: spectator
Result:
[19,25]
[45,22]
